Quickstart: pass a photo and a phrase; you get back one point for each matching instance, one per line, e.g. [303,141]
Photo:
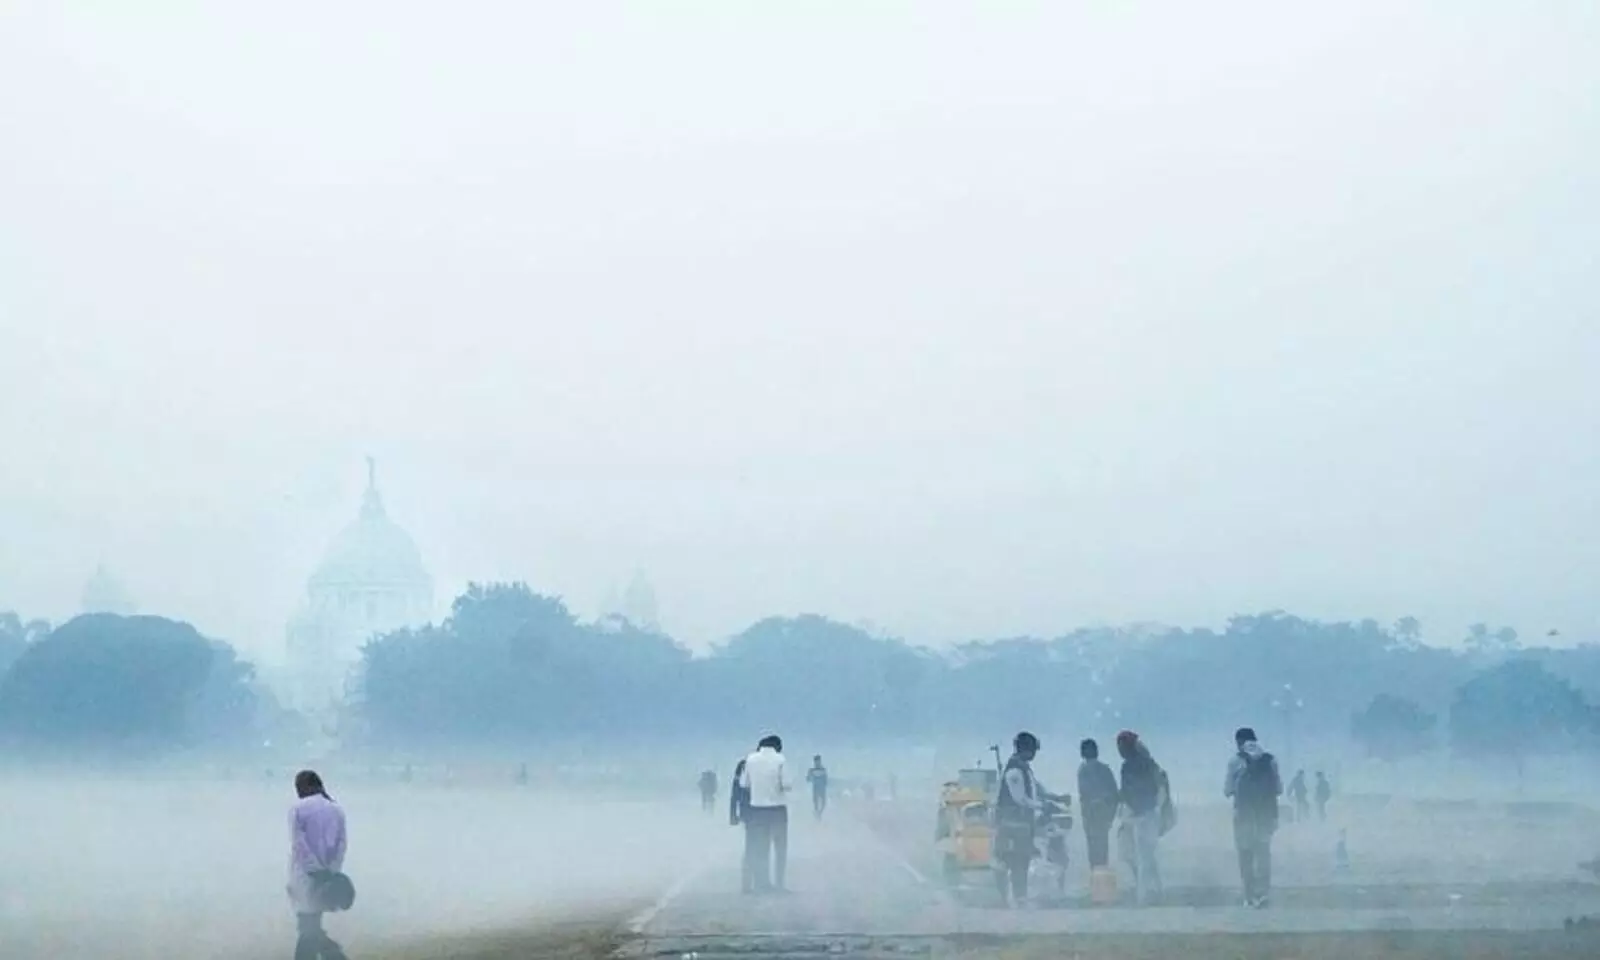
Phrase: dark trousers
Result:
[1014,852]
[708,802]
[313,942]
[1098,834]
[766,848]
[1013,876]
[1252,837]
[819,802]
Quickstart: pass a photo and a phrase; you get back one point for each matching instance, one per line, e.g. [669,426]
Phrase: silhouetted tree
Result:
[139,684]
[1518,709]
[1393,728]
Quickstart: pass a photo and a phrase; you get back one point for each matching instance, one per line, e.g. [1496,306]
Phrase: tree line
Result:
[510,666]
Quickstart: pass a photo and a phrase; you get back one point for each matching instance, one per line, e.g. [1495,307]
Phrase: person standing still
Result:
[1097,798]
[738,806]
[1324,794]
[316,848]
[817,776]
[1016,811]
[1141,798]
[1254,786]
[766,816]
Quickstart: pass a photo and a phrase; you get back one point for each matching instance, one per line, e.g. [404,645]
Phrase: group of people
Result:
[1141,798]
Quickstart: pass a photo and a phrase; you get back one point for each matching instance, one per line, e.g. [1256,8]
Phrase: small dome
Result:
[372,551]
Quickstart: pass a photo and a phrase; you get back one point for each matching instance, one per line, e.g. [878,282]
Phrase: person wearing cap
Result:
[766,817]
[1017,809]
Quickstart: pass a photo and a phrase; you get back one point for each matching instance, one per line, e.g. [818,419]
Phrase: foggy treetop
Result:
[511,666]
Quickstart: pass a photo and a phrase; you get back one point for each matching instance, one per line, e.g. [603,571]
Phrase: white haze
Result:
[195,867]
[964,319]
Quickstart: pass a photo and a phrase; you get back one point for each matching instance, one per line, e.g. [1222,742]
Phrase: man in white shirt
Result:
[766,823]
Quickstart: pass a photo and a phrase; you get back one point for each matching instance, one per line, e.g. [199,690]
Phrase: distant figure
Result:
[1142,799]
[1341,855]
[894,786]
[766,818]
[817,776]
[1097,798]
[522,775]
[1253,784]
[708,790]
[1324,794]
[316,851]
[1017,808]
[1298,793]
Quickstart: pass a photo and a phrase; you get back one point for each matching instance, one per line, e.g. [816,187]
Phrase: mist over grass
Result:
[195,868]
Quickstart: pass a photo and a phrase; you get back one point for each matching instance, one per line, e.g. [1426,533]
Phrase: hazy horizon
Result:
[962,323]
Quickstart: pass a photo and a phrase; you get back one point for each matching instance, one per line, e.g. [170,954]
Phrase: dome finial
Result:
[371,503]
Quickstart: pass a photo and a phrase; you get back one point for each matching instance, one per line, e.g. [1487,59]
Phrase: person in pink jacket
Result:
[316,848]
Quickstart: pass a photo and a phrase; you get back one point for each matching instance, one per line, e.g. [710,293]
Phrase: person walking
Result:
[1141,796]
[817,776]
[1097,798]
[1324,794]
[1254,786]
[316,855]
[708,790]
[765,778]
[1298,793]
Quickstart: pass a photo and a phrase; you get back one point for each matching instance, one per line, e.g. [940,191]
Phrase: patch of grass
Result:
[1408,945]
[559,940]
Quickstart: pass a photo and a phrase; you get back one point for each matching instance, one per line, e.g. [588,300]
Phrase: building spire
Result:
[371,503]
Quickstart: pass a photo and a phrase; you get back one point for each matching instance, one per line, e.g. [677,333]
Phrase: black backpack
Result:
[1258,788]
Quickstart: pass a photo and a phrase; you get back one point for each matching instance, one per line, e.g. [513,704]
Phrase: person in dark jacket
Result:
[1017,808]
[1254,786]
[1141,797]
[1097,798]
[1298,793]
[708,791]
[738,806]
[1324,794]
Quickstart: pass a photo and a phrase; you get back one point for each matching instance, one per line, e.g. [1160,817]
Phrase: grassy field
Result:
[1377,946]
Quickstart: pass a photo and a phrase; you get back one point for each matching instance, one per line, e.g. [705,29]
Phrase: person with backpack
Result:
[1254,786]
[1145,795]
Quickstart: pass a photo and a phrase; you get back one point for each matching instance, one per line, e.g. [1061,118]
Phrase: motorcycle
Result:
[1047,873]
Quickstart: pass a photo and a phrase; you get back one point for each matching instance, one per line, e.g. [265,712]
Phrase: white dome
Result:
[371,552]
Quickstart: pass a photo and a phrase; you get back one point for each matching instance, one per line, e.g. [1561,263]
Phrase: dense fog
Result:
[513,413]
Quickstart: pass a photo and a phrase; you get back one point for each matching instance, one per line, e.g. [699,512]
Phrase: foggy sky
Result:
[976,319]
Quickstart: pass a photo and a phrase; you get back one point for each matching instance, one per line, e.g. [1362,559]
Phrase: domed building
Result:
[370,581]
